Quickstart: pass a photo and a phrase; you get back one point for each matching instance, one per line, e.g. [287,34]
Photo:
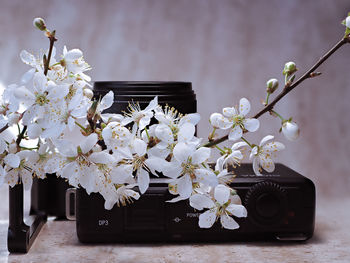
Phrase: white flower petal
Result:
[39,82]
[200,201]
[253,152]
[235,134]
[272,147]
[54,131]
[244,106]
[251,125]
[57,91]
[201,155]
[238,145]
[172,169]
[27,58]
[182,152]
[228,222]
[237,210]
[207,219]
[54,164]
[73,54]
[101,157]
[12,160]
[34,131]
[30,156]
[233,158]
[27,179]
[126,121]
[144,122]
[28,76]
[193,118]
[266,163]
[71,171]
[184,186]
[152,105]
[66,148]
[24,95]
[11,177]
[121,174]
[229,112]
[176,199]
[139,147]
[164,133]
[206,176]
[156,164]
[88,143]
[107,101]
[186,132]
[266,139]
[222,194]
[3,145]
[256,167]
[219,166]
[143,180]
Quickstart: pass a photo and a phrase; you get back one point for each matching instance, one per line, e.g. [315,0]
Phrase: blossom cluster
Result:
[50,123]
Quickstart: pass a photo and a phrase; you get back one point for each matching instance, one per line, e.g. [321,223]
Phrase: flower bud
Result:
[271,85]
[347,22]
[12,147]
[39,23]
[289,68]
[88,93]
[290,130]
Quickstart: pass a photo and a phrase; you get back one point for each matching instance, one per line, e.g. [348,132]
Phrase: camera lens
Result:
[179,95]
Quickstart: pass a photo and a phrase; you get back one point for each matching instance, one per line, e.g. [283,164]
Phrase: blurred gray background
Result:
[227,49]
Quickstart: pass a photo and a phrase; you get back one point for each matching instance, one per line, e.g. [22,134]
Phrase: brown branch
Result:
[4,128]
[289,88]
[52,38]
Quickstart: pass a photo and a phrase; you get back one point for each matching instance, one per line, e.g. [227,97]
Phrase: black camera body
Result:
[281,205]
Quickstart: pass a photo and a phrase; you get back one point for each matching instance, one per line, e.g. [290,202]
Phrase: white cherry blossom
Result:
[20,166]
[141,118]
[223,205]
[79,164]
[237,121]
[186,168]
[116,136]
[262,155]
[232,156]
[136,162]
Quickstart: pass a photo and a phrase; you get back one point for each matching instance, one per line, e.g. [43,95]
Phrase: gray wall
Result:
[227,49]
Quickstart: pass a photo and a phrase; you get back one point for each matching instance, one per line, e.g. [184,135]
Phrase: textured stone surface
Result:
[58,243]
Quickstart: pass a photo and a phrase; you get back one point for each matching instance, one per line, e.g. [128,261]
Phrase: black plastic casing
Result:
[280,205]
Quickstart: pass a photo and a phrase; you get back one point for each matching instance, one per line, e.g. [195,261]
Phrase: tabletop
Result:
[57,242]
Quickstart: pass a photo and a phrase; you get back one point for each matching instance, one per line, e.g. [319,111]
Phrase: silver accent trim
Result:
[69,192]
[161,180]
[291,237]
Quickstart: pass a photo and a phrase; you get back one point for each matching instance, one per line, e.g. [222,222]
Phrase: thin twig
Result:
[52,38]
[4,128]
[289,88]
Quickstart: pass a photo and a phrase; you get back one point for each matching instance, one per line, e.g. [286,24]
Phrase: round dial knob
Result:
[266,203]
